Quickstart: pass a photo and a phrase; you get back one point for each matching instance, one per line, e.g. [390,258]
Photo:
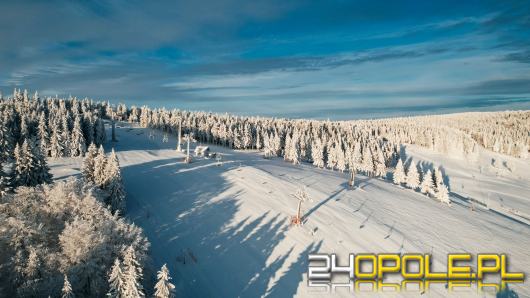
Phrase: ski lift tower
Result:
[113,123]
[189,138]
[179,148]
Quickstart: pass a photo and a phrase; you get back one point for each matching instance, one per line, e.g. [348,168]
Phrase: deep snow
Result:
[223,230]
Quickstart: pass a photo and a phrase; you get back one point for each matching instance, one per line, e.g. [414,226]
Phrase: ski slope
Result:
[223,230]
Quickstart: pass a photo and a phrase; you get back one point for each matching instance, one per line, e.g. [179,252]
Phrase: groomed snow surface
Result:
[224,231]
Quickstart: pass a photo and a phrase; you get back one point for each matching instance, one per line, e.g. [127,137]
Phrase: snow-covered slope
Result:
[224,230]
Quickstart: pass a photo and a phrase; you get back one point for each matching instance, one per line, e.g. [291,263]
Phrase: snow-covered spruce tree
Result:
[100,164]
[66,134]
[43,135]
[72,213]
[427,185]
[77,140]
[56,143]
[317,153]
[99,132]
[132,274]
[5,182]
[357,157]
[114,184]
[164,288]
[116,281]
[88,128]
[413,178]
[399,173]
[67,291]
[442,194]
[341,158]
[292,149]
[31,168]
[438,178]
[87,169]
[368,162]
[379,160]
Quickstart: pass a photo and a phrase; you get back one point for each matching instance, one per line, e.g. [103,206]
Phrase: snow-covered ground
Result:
[224,230]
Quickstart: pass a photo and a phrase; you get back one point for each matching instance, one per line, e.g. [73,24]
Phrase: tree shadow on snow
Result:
[190,218]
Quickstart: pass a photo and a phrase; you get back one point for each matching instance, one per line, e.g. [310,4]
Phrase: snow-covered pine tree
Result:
[99,132]
[24,129]
[442,194]
[41,170]
[100,164]
[132,274]
[116,281]
[268,150]
[287,149]
[341,158]
[87,168]
[380,168]
[438,178]
[317,153]
[357,157]
[114,184]
[5,182]
[31,168]
[88,129]
[56,143]
[246,137]
[277,143]
[66,134]
[413,178]
[43,135]
[399,173]
[77,140]
[164,288]
[332,155]
[293,151]
[427,185]
[368,162]
[67,289]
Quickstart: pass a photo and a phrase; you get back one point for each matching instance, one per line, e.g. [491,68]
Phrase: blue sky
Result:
[323,59]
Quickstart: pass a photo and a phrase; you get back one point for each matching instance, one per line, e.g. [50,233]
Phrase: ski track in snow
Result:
[224,230]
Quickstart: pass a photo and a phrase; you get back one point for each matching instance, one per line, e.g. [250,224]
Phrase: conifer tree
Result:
[413,179]
[31,168]
[438,178]
[5,182]
[56,143]
[66,135]
[427,184]
[164,288]
[88,168]
[43,135]
[99,132]
[341,159]
[317,153]
[368,162]
[116,281]
[77,141]
[399,173]
[132,274]
[380,168]
[67,289]
[442,194]
[100,164]
[88,129]
[114,184]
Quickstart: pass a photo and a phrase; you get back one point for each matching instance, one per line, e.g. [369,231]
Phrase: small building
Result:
[202,151]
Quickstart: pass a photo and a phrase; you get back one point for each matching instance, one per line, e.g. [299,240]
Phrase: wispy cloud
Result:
[269,55]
